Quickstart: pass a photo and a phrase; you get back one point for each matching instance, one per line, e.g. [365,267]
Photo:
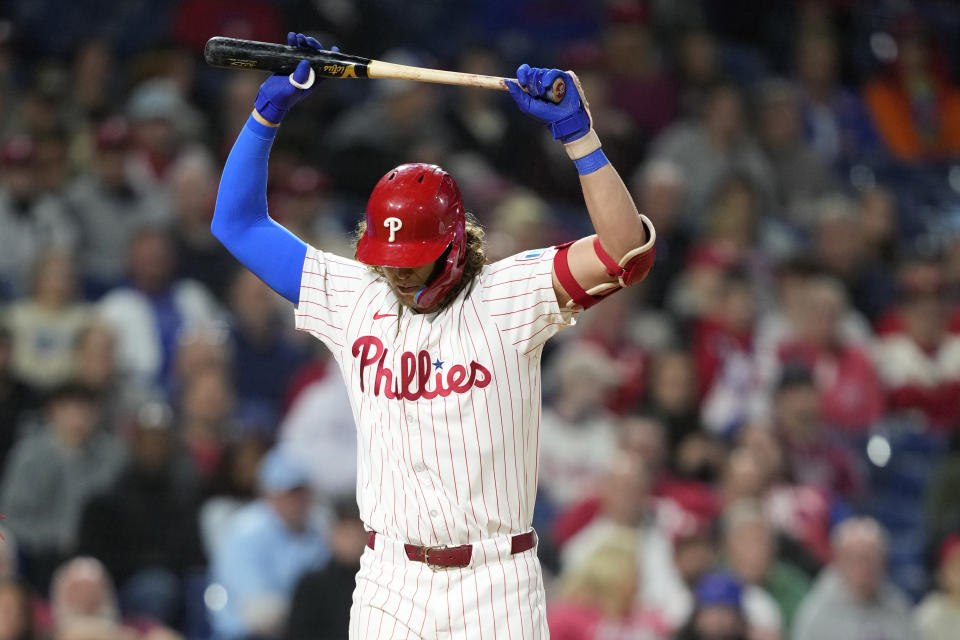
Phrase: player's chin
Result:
[407,295]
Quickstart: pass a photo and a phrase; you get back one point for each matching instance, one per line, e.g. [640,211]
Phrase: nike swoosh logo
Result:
[377,315]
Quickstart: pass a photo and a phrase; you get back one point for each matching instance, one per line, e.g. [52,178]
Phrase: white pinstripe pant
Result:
[498,597]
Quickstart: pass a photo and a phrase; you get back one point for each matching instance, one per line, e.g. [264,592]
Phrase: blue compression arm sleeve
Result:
[241,221]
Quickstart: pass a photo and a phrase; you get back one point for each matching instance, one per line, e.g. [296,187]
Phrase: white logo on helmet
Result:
[394,225]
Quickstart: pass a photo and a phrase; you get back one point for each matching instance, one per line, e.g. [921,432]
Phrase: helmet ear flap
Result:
[446,272]
[438,266]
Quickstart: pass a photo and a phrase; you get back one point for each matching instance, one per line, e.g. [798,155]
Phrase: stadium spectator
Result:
[718,611]
[951,272]
[53,170]
[578,436]
[624,504]
[812,455]
[696,288]
[723,352]
[264,355]
[879,225]
[238,92]
[749,549]
[94,75]
[913,103]
[644,89]
[320,609]
[205,411]
[41,108]
[742,478]
[800,513]
[779,323]
[320,423]
[192,192]
[835,119]
[93,629]
[711,147]
[82,589]
[920,366]
[658,187]
[128,526]
[645,437]
[95,367]
[942,498]
[270,544]
[110,205]
[598,597]
[16,611]
[150,313]
[733,224]
[745,478]
[517,222]
[695,554]
[67,462]
[698,67]
[938,614]
[17,400]
[626,339]
[232,487]
[672,396]
[853,598]
[9,555]
[802,176]
[164,125]
[31,223]
[304,202]
[842,252]
[851,396]
[46,324]
[197,350]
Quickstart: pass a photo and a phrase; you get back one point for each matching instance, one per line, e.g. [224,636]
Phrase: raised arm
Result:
[240,219]
[622,251]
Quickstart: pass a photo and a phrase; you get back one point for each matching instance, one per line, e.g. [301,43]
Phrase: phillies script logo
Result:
[414,378]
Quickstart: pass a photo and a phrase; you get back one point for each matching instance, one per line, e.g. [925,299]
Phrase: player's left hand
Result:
[569,119]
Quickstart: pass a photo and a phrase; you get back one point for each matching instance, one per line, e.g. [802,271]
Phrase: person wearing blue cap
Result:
[268,546]
[718,610]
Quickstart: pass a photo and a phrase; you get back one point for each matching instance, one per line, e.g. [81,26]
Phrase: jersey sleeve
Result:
[329,288]
[518,295]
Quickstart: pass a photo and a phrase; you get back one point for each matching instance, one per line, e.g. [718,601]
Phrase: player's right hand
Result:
[280,92]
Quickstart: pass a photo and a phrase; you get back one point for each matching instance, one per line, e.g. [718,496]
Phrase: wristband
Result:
[583,146]
[591,162]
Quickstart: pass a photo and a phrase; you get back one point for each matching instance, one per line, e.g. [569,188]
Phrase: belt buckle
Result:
[435,567]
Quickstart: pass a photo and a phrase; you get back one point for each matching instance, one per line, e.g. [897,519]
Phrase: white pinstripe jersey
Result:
[447,404]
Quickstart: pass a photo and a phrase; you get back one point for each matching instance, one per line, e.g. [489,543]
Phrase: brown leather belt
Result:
[455,557]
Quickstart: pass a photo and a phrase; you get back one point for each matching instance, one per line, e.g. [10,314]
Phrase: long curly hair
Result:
[476,257]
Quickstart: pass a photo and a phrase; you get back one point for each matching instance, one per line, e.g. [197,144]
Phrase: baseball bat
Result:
[234,53]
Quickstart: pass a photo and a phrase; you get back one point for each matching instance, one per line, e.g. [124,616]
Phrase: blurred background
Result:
[759,441]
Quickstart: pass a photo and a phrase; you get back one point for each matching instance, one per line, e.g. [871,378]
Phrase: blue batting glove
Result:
[568,120]
[278,93]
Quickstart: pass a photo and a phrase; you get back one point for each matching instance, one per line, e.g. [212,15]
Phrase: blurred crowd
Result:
[760,441]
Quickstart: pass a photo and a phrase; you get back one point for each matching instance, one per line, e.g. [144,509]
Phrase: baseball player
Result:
[440,353]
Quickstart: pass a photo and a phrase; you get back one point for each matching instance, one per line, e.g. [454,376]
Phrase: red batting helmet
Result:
[414,215]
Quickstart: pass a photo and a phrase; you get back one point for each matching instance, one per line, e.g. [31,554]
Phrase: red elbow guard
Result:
[632,268]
